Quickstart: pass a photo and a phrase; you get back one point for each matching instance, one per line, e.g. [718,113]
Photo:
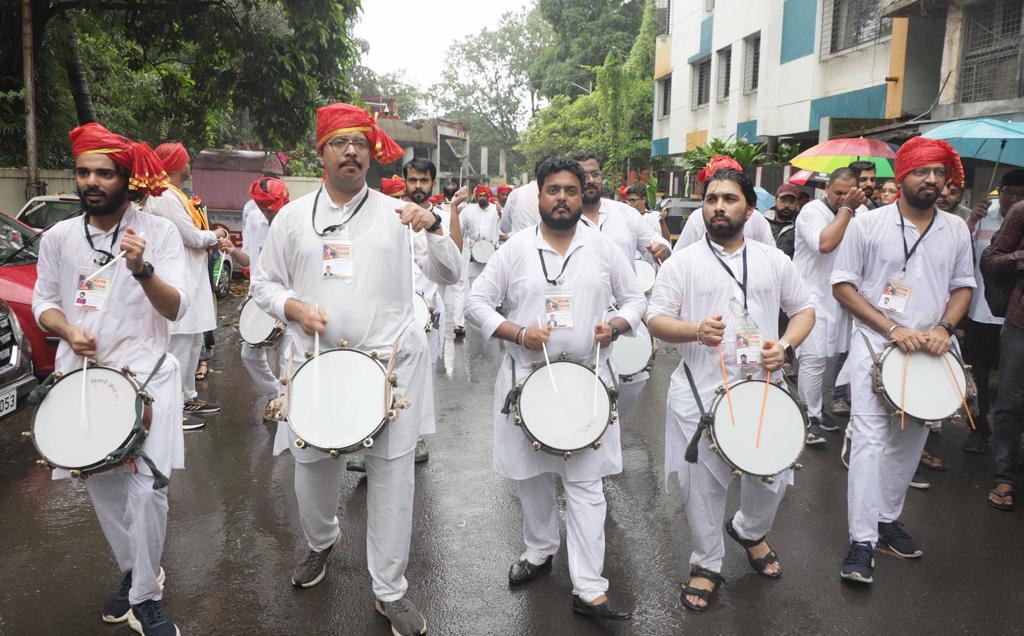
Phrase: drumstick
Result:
[547,361]
[764,407]
[963,400]
[597,367]
[903,391]
[112,261]
[83,420]
[316,362]
[725,382]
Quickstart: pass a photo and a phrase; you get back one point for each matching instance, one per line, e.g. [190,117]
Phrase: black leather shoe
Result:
[524,571]
[604,610]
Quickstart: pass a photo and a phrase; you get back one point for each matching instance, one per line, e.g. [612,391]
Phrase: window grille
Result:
[701,84]
[846,24]
[665,96]
[992,49]
[751,63]
[663,14]
[724,73]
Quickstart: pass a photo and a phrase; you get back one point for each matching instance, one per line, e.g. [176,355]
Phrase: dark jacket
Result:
[783,231]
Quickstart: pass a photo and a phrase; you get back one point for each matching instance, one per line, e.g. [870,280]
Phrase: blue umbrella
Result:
[985,139]
[765,201]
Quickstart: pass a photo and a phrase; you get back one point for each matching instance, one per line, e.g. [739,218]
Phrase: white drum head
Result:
[57,427]
[482,251]
[782,432]
[421,310]
[255,325]
[346,407]
[645,275]
[631,353]
[566,420]
[931,394]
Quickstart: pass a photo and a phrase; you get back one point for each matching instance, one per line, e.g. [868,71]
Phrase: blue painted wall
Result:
[799,19]
[866,102]
[747,130]
[706,26]
[659,147]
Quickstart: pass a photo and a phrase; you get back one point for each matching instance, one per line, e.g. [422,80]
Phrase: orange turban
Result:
[146,171]
[481,188]
[174,156]
[273,198]
[504,189]
[338,119]
[393,187]
[718,162]
[921,151]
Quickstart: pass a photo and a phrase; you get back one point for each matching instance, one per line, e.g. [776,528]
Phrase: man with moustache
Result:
[575,261]
[127,324]
[367,302]
[949,201]
[782,217]
[866,174]
[906,273]
[756,227]
[479,222]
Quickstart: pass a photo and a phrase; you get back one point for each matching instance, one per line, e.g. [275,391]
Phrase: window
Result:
[665,97]
[847,24]
[751,63]
[724,73]
[701,84]
[709,6]
[663,14]
[991,67]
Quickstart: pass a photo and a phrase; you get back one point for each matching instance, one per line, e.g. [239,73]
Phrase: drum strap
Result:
[871,352]
[705,419]
[159,479]
[513,395]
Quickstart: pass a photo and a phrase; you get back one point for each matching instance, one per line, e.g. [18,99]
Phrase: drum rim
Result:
[473,247]
[131,441]
[612,409]
[884,393]
[714,440]
[389,396]
[650,358]
[275,333]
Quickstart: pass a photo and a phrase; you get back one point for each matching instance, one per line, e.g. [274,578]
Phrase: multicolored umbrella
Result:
[803,177]
[839,153]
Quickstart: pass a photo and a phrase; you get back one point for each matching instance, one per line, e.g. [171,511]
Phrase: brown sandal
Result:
[931,462]
[1003,495]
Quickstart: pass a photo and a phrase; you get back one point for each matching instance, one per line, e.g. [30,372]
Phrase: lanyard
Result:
[332,228]
[743,285]
[589,223]
[907,253]
[544,266]
[107,254]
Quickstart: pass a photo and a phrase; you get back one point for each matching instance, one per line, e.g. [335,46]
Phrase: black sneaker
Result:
[840,406]
[815,435]
[845,453]
[859,564]
[919,482]
[192,423]
[196,406]
[405,619]
[148,618]
[118,608]
[898,541]
[312,569]
[976,443]
[829,423]
[604,610]
[523,571]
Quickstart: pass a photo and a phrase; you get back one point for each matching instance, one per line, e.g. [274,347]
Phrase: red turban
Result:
[338,119]
[436,199]
[504,189]
[921,151]
[146,172]
[481,188]
[173,156]
[718,162]
[274,198]
[622,193]
[393,187]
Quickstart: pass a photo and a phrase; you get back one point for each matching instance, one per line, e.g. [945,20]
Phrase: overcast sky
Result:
[414,36]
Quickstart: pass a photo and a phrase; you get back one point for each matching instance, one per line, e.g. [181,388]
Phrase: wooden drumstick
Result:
[547,360]
[725,383]
[597,367]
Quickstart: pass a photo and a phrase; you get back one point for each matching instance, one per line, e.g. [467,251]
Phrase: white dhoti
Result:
[256,361]
[185,348]
[629,392]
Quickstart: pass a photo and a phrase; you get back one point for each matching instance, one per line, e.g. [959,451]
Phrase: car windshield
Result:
[45,213]
[13,236]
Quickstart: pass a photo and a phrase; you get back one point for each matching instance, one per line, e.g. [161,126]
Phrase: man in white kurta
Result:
[365,300]
[479,222]
[126,326]
[520,209]
[820,227]
[564,258]
[915,261]
[698,302]
[756,228]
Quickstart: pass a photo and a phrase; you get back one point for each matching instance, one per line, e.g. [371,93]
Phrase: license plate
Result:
[8,401]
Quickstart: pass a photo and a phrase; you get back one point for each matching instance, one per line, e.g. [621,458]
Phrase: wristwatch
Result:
[787,349]
[146,273]
[615,332]
[950,329]
[437,223]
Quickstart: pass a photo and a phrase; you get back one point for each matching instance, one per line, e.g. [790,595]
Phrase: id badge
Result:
[895,296]
[558,310]
[748,347]
[337,259]
[92,294]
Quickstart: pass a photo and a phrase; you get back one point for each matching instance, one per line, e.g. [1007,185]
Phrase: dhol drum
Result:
[564,407]
[923,385]
[425,314]
[103,435]
[633,352]
[645,275]
[340,400]
[257,327]
[482,251]
[734,425]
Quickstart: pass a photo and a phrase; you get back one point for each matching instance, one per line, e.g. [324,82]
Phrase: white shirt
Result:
[521,209]
[626,229]
[871,256]
[479,224]
[255,227]
[756,228]
[982,236]
[202,314]
[432,290]
[814,265]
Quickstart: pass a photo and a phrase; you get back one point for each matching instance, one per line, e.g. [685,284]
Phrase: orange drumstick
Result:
[764,406]
[725,382]
[956,384]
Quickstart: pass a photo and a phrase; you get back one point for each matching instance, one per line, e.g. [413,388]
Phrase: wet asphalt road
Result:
[233,537]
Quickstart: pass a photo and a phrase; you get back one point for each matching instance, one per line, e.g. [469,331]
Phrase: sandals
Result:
[697,572]
[931,462]
[202,371]
[759,565]
[1005,507]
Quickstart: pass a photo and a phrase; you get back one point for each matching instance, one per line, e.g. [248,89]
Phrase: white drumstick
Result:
[83,420]
[114,260]
[597,367]
[316,362]
[551,374]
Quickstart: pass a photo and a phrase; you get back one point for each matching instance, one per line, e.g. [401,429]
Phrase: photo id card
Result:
[337,259]
[92,294]
[558,310]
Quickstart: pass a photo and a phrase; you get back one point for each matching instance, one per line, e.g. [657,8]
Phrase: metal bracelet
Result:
[891,329]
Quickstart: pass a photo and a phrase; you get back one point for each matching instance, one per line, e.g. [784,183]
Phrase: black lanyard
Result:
[907,253]
[589,223]
[544,266]
[107,255]
[333,228]
[743,285]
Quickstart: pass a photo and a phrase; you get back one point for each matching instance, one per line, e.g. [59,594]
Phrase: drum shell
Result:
[275,333]
[969,394]
[484,253]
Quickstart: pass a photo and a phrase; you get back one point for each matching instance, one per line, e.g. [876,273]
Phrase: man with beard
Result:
[949,201]
[820,229]
[782,217]
[631,234]
[692,306]
[756,227]
[366,300]
[906,273]
[201,316]
[565,259]
[479,222]
[503,191]
[636,197]
[124,325]
[866,174]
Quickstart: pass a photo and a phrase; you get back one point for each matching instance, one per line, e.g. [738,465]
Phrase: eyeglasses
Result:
[340,144]
[595,174]
[633,199]
[938,171]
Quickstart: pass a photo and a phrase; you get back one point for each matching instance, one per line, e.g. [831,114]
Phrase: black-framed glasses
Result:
[593,174]
[633,199]
[340,144]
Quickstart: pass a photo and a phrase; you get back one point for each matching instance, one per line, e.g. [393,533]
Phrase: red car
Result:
[19,245]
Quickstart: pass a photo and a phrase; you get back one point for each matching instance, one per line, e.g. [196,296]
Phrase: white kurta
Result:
[982,236]
[255,228]
[626,229]
[128,330]
[201,315]
[595,272]
[521,209]
[372,311]
[756,228]
[693,285]
[432,291]
[478,224]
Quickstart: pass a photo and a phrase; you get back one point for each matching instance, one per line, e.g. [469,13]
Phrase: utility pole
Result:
[33,186]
